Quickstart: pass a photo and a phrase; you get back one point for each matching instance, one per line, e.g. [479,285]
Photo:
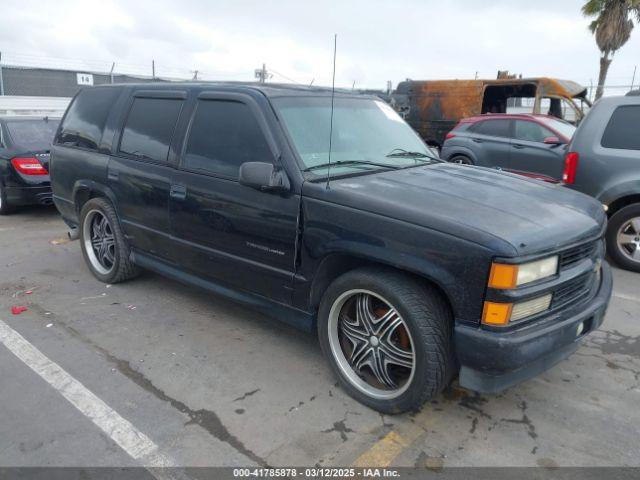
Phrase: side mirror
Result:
[263,176]
[553,141]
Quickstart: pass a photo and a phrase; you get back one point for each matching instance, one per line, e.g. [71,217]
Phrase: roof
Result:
[546,85]
[486,116]
[268,89]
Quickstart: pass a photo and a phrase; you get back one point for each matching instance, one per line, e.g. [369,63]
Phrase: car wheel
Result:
[461,160]
[103,244]
[623,237]
[5,208]
[388,338]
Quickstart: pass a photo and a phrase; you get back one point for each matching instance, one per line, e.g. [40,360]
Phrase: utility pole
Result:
[195,75]
[633,79]
[113,65]
[153,69]
[262,74]
[1,80]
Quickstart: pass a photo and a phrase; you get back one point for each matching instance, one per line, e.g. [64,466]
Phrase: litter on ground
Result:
[18,309]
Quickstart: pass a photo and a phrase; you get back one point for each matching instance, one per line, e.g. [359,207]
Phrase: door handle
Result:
[518,146]
[179,192]
[113,175]
[477,140]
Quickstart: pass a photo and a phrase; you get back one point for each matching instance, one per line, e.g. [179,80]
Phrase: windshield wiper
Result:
[350,162]
[402,153]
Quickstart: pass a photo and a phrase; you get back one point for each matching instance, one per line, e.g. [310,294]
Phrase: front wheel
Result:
[623,237]
[387,337]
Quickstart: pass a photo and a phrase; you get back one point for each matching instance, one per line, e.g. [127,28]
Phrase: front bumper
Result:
[493,361]
[40,195]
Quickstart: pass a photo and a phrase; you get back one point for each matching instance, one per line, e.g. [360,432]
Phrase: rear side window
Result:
[531,131]
[84,123]
[493,128]
[35,134]
[224,135]
[149,128]
[623,130]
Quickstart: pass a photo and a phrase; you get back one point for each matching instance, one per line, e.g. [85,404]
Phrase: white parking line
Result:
[129,438]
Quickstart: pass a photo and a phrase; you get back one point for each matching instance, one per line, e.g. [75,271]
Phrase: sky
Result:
[377,40]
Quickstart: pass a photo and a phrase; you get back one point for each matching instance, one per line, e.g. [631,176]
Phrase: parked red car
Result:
[528,144]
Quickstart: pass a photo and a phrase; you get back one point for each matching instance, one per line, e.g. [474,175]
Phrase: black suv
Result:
[24,159]
[337,219]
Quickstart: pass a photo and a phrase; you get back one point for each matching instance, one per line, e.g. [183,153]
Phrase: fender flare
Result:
[619,191]
[369,254]
[93,186]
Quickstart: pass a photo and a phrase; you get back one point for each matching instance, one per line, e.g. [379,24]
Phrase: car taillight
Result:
[28,166]
[449,135]
[570,167]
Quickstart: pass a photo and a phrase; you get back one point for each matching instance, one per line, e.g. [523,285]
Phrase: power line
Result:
[285,77]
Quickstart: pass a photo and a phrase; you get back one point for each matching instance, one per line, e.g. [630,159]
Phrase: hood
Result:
[508,213]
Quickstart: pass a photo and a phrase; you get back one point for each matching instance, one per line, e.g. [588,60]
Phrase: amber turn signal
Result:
[503,276]
[497,314]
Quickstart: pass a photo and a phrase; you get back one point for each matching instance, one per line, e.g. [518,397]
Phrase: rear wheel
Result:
[5,208]
[387,337]
[461,160]
[623,237]
[103,244]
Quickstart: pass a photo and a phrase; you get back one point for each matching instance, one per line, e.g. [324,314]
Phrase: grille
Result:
[572,291]
[574,255]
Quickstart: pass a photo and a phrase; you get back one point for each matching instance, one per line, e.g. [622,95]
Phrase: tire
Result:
[5,208]
[425,331]
[112,263]
[623,237]
[461,160]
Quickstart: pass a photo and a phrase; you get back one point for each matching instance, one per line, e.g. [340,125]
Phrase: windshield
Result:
[34,134]
[367,133]
[559,126]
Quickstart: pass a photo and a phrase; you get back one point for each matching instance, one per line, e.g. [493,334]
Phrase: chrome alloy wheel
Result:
[628,239]
[371,344]
[99,241]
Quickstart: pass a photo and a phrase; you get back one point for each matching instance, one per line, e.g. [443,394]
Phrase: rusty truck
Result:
[434,107]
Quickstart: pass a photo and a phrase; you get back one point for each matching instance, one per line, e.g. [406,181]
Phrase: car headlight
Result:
[506,276]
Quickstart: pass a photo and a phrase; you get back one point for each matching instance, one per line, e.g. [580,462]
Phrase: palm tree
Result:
[612,28]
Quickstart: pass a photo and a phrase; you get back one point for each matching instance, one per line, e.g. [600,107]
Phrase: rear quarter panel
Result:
[72,169]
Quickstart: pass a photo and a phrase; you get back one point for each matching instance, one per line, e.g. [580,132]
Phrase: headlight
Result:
[506,276]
